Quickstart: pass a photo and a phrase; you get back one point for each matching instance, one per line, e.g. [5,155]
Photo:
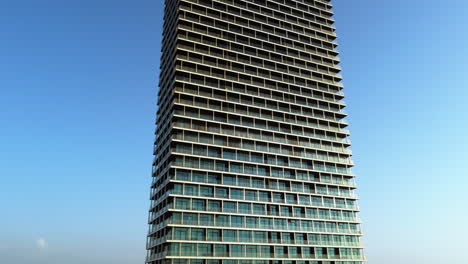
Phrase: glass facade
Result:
[252,162]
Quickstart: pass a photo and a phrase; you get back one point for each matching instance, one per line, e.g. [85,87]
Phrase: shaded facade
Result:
[251,163]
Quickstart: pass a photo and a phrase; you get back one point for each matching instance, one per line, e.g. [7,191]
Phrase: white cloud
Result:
[41,243]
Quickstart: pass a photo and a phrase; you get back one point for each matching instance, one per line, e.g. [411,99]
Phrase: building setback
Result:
[251,162]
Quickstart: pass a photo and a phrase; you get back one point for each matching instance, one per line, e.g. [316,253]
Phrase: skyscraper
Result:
[251,162]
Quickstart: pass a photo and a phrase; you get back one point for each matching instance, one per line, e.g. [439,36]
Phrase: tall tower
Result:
[251,162]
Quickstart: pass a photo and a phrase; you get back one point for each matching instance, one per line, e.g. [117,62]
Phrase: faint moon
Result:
[41,243]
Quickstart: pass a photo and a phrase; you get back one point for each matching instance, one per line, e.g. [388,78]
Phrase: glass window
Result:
[221,192]
[250,169]
[181,233]
[177,189]
[214,206]
[306,225]
[245,208]
[237,168]
[187,249]
[252,251]
[237,250]
[198,234]
[237,221]
[260,237]
[259,209]
[221,250]
[221,166]
[285,211]
[230,235]
[245,236]
[317,201]
[206,164]
[198,205]
[280,252]
[243,181]
[191,190]
[293,224]
[265,251]
[278,198]
[252,222]
[191,162]
[174,249]
[205,250]
[237,194]
[183,203]
[222,220]
[199,177]
[264,196]
[251,195]
[229,180]
[206,220]
[214,178]
[176,218]
[299,212]
[291,198]
[214,234]
[230,207]
[266,223]
[206,191]
[275,237]
[229,154]
[183,175]
[281,224]
[214,152]
[199,150]
[304,199]
[190,219]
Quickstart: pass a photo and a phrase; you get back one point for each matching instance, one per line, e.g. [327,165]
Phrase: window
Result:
[214,206]
[230,207]
[187,249]
[214,235]
[229,180]
[222,220]
[183,175]
[252,222]
[251,195]
[181,233]
[205,250]
[199,177]
[198,234]
[237,194]
[221,192]
[214,178]
[206,220]
[177,189]
[245,208]
[237,250]
[230,235]
[237,221]
[206,191]
[260,237]
[259,209]
[221,250]
[252,251]
[264,196]
[245,236]
[198,205]
[191,190]
[182,203]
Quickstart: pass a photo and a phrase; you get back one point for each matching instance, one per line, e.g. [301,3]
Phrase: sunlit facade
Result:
[251,163]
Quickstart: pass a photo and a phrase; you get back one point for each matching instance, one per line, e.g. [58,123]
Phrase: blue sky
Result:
[78,82]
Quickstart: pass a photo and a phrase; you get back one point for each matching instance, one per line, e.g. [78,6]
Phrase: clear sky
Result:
[78,98]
